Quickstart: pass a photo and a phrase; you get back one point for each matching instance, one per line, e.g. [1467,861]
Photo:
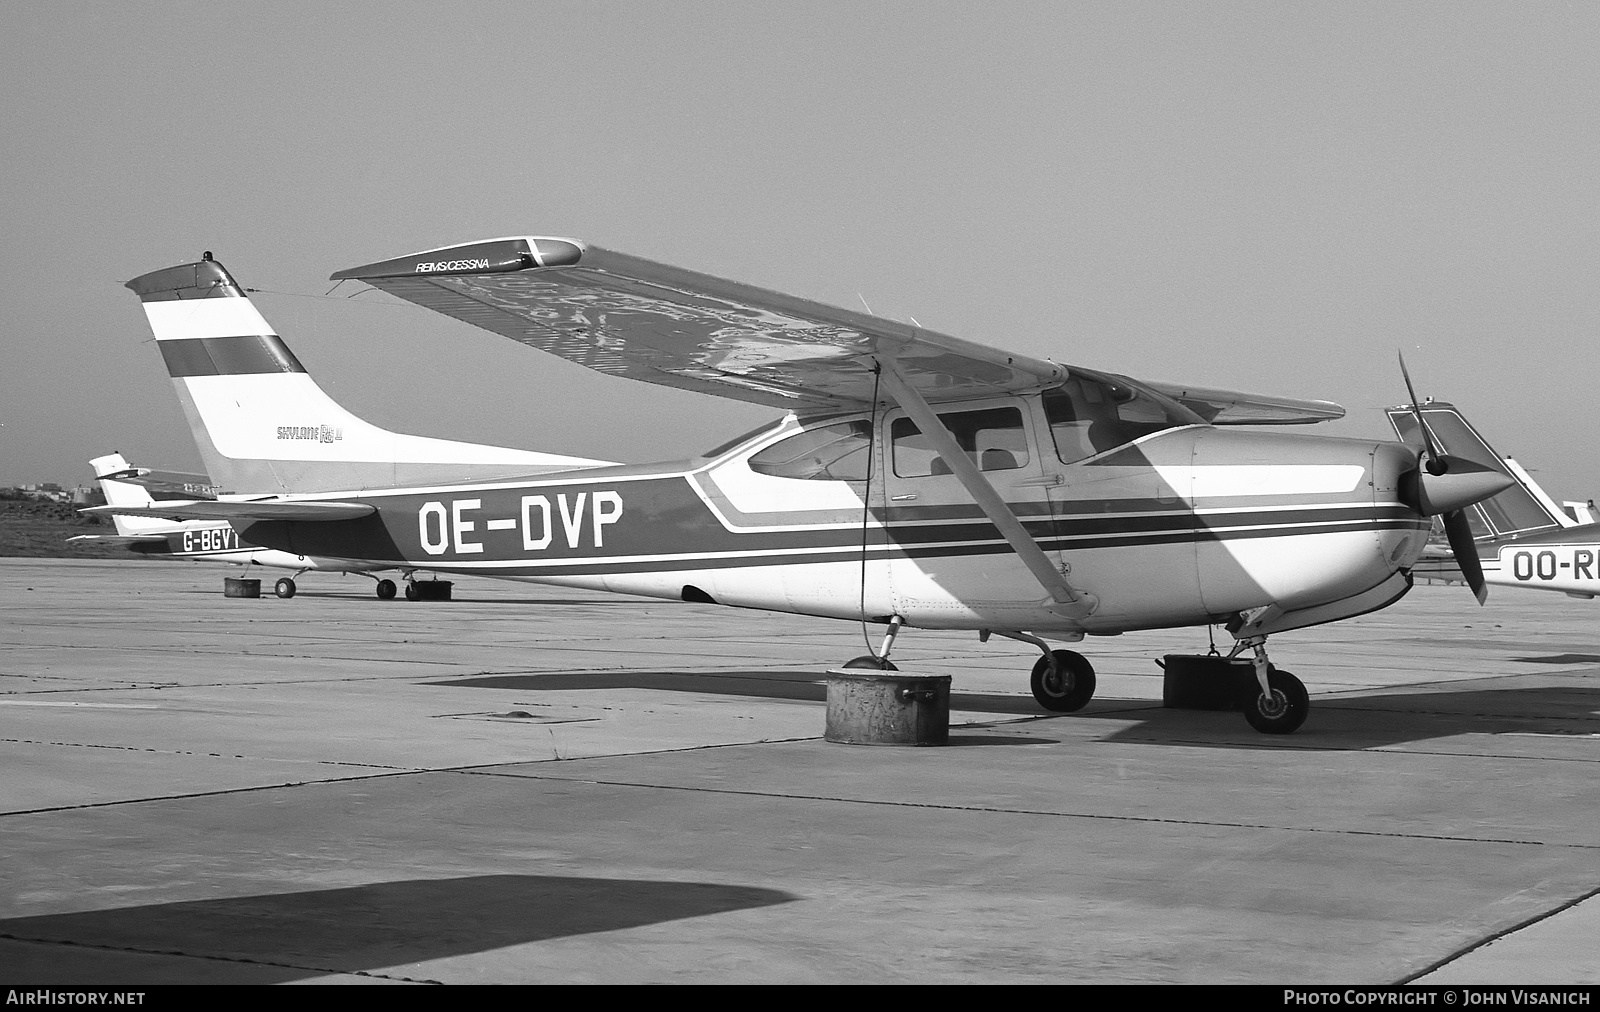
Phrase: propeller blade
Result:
[1455,526]
[1434,464]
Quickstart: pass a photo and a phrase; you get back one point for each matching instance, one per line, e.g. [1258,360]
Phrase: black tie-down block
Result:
[1207,682]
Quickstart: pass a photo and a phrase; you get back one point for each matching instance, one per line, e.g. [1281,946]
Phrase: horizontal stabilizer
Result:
[213,509]
[1230,407]
[120,539]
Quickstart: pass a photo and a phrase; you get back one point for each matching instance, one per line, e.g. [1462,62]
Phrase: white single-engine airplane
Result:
[195,540]
[918,480]
[1519,537]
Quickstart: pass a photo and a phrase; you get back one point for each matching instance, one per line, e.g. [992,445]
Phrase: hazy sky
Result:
[1271,197]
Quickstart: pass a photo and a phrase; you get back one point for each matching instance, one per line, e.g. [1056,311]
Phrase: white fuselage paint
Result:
[1569,567]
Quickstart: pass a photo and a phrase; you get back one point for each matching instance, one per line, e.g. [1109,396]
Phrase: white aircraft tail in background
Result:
[196,540]
[1520,536]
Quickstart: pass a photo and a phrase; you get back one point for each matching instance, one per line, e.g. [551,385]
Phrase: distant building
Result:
[54,492]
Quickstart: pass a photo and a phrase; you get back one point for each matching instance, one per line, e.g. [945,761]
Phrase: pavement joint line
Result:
[1283,746]
[214,794]
[1009,722]
[202,955]
[1147,820]
[1496,936]
[387,771]
[1333,704]
[213,755]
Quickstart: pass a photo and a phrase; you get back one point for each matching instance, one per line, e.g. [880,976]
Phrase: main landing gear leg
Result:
[1062,680]
[880,660]
[384,588]
[1281,704]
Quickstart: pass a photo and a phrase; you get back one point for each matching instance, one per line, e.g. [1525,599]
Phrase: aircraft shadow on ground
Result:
[1555,703]
[1382,719]
[304,935]
[806,686]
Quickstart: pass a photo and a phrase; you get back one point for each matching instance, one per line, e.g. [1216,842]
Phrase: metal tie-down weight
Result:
[868,707]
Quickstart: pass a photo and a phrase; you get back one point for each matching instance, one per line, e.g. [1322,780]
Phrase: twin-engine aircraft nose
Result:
[1447,484]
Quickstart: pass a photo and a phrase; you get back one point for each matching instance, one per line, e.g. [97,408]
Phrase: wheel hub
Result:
[1273,706]
[1057,682]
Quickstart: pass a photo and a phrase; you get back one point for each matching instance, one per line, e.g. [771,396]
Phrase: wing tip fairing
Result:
[484,256]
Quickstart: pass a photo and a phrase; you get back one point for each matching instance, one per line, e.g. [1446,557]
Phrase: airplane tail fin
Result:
[113,472]
[263,425]
[1523,508]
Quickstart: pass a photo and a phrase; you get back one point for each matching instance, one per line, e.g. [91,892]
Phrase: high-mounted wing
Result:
[627,316]
[1229,407]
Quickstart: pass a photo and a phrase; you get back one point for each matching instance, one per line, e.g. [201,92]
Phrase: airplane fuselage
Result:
[1184,526]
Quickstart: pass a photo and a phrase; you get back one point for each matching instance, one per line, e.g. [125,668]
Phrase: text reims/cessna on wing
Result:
[916,481]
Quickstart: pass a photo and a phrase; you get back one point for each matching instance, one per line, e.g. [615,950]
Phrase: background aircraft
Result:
[1520,536]
[917,480]
[197,540]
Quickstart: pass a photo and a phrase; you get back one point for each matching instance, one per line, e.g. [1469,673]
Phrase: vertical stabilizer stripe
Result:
[228,356]
[172,321]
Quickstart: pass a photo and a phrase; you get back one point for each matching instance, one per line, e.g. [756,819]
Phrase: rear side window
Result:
[838,452]
[993,438]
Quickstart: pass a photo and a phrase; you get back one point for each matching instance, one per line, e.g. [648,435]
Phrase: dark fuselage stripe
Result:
[601,565]
[229,356]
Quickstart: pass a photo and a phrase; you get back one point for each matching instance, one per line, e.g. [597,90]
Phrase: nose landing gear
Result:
[1281,704]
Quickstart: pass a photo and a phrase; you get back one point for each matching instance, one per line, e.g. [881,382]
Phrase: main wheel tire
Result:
[386,590]
[1284,711]
[1069,687]
[284,587]
[870,663]
[412,593]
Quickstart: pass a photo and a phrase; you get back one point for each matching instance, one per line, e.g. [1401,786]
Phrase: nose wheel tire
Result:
[386,590]
[412,594]
[284,587]
[1284,710]
[1065,686]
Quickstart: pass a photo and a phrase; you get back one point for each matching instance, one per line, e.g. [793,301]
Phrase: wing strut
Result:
[1069,602]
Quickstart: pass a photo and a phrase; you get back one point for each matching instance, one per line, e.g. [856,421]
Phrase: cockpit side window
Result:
[1091,414]
[742,438]
[837,452]
[992,437]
